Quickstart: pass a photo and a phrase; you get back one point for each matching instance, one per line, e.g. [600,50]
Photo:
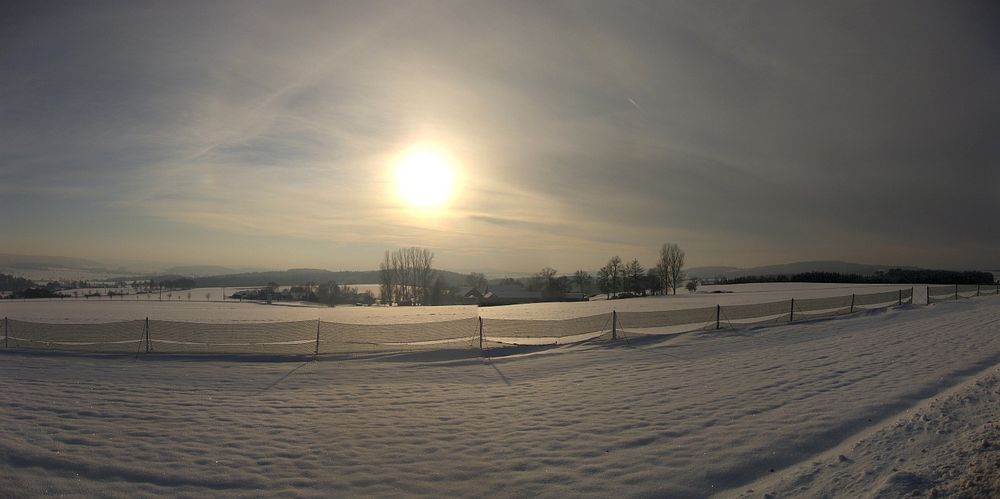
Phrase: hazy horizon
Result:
[503,136]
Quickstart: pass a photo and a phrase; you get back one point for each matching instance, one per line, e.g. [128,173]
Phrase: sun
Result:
[425,177]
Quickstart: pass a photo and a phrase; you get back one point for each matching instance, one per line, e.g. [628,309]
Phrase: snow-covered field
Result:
[105,310]
[889,400]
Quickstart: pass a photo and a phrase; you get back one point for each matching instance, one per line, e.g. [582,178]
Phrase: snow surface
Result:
[947,446]
[106,310]
[686,415]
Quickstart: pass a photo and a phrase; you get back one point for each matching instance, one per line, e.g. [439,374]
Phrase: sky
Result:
[268,133]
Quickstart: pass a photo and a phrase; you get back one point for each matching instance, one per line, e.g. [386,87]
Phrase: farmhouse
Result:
[509,295]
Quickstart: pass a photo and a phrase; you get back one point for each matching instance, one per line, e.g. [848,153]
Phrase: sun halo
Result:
[425,177]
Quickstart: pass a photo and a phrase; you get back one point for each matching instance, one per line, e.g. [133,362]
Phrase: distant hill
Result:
[206,270]
[292,277]
[710,272]
[792,268]
[30,262]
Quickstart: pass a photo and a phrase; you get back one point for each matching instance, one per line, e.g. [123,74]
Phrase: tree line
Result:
[617,279]
[13,283]
[329,293]
[892,276]
[622,279]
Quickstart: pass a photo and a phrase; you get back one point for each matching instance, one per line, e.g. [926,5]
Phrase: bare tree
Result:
[583,280]
[423,263]
[387,279]
[406,275]
[615,264]
[400,294]
[610,276]
[671,265]
[604,280]
[546,277]
[633,273]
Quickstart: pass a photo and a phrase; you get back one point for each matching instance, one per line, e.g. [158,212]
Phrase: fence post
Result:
[791,311]
[614,324]
[928,295]
[317,337]
[911,295]
[900,297]
[718,312]
[852,303]
[977,289]
[480,333]
[5,332]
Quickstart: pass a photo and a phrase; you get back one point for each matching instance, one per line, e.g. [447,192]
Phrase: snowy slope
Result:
[82,310]
[688,415]
[947,446]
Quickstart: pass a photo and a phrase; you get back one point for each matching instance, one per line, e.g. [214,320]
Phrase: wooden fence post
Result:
[480,333]
[852,303]
[5,332]
[900,297]
[614,324]
[718,313]
[791,311]
[956,291]
[147,334]
[317,337]
[928,295]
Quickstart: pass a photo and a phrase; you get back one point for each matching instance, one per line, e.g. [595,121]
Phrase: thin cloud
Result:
[581,130]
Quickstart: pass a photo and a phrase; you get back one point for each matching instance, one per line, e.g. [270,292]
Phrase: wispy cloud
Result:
[582,130]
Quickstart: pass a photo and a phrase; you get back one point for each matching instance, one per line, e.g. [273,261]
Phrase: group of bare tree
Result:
[609,277]
[617,277]
[671,266]
[584,281]
[406,276]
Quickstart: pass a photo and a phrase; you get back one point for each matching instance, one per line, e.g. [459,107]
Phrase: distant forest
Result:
[289,277]
[893,276]
[11,283]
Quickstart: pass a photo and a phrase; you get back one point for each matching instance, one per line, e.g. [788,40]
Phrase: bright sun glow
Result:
[425,177]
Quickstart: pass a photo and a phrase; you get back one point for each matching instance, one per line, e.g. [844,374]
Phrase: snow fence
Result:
[958,291]
[324,337]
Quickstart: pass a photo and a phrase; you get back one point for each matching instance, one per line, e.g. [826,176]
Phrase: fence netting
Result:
[756,313]
[939,293]
[288,338]
[954,292]
[337,337]
[541,332]
[878,300]
[822,307]
[103,337]
[668,321]
[324,337]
